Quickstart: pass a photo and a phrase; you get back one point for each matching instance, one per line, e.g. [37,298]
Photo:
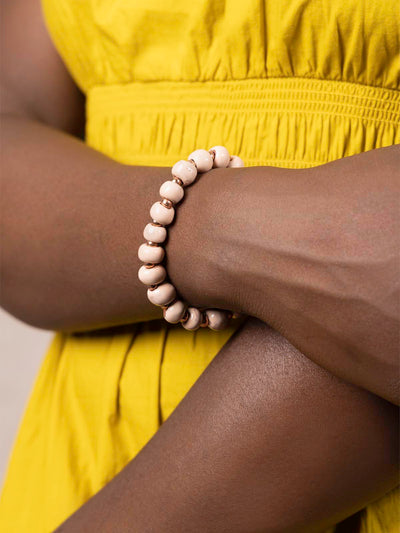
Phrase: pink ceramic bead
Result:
[150,254]
[194,320]
[152,276]
[154,233]
[221,157]
[185,171]
[203,160]
[162,295]
[172,191]
[162,214]
[217,319]
[236,162]
[175,312]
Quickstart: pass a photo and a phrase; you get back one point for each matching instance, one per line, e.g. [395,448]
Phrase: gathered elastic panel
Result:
[292,122]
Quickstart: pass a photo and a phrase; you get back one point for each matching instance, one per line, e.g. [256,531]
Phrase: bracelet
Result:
[153,274]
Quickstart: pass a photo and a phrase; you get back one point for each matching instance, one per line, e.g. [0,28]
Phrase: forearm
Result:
[313,252]
[72,221]
[264,441]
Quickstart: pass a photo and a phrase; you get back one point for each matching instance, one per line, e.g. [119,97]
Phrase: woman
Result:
[266,439]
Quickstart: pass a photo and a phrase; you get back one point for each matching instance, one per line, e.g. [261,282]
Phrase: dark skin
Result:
[265,441]
[72,222]
[314,252]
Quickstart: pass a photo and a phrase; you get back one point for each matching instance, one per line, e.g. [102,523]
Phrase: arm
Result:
[67,277]
[72,219]
[315,253]
[322,242]
[264,441]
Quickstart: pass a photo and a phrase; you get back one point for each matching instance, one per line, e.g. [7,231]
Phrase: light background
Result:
[21,351]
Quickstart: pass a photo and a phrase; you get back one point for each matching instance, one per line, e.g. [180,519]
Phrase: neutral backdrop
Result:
[21,351]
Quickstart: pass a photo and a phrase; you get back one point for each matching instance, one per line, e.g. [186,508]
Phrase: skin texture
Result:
[325,277]
[315,253]
[280,436]
[272,443]
[72,219]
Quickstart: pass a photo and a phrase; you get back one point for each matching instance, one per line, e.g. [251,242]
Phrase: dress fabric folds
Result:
[294,83]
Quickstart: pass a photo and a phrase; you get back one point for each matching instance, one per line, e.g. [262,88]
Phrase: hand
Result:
[313,252]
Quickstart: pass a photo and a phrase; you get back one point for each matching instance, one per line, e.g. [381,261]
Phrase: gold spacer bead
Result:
[165,307]
[166,203]
[205,321]
[178,181]
[185,317]
[149,265]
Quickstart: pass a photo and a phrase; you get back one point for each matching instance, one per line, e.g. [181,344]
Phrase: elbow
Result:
[25,303]
[29,315]
[28,296]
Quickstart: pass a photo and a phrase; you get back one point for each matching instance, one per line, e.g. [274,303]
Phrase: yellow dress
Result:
[292,83]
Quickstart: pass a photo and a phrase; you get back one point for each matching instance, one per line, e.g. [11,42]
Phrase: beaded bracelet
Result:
[153,274]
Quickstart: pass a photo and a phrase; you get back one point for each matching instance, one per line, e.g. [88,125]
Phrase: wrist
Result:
[262,235]
[227,247]
[199,242]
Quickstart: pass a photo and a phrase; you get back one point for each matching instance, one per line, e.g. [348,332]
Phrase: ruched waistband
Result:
[292,122]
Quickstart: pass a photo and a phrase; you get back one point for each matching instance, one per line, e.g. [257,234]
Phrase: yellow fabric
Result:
[293,83]
[288,122]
